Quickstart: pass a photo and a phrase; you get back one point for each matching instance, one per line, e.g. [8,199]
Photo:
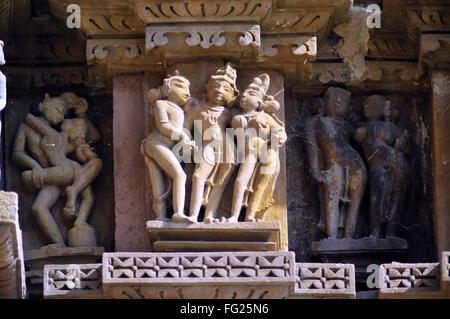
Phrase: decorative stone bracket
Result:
[242,275]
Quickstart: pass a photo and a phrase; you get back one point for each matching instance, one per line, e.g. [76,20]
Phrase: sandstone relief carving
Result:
[336,167]
[166,173]
[259,134]
[384,145]
[57,159]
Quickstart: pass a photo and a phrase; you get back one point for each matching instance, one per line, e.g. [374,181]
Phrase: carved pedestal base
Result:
[360,252]
[82,236]
[168,236]
[35,260]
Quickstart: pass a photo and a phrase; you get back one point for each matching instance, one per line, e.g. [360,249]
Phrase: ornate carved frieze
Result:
[204,35]
[409,278]
[59,76]
[427,19]
[100,49]
[300,45]
[391,46]
[156,11]
[242,275]
[82,281]
[12,270]
[325,279]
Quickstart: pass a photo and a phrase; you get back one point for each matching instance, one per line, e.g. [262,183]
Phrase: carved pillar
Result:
[441,156]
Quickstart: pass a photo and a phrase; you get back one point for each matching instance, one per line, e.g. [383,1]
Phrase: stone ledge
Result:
[169,236]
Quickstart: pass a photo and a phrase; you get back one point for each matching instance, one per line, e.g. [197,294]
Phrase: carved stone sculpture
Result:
[336,167]
[166,173]
[2,95]
[43,150]
[384,144]
[211,117]
[263,133]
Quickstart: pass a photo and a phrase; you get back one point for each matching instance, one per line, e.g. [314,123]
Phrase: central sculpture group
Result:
[177,116]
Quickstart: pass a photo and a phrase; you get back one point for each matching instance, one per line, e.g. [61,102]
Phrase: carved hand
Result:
[320,176]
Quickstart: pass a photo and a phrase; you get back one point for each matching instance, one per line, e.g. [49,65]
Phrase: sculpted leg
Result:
[87,201]
[357,186]
[201,173]
[45,200]
[164,157]
[399,181]
[378,183]
[86,175]
[223,177]
[240,185]
[333,191]
[159,187]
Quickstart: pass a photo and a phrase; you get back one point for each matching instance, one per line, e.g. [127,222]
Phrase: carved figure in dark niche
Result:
[336,167]
[42,149]
[384,145]
[214,116]
[165,171]
[251,189]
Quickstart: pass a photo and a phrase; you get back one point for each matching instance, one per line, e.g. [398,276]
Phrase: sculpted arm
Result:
[2,91]
[162,121]
[37,125]
[19,157]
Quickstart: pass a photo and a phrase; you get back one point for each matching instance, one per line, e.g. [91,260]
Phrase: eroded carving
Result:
[336,167]
[384,145]
[42,150]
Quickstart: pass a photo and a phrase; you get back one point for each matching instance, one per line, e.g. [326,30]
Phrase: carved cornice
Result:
[157,11]
[300,46]
[391,46]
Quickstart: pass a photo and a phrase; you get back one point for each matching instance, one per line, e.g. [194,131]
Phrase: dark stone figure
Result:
[384,145]
[337,168]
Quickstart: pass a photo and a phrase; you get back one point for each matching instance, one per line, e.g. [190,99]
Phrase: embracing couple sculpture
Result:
[174,112]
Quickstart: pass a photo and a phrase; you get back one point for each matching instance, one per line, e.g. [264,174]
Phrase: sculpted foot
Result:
[193,219]
[69,212]
[163,219]
[181,218]
[232,219]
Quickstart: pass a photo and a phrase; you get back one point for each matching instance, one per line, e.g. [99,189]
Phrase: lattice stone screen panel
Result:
[83,280]
[398,277]
[202,268]
[326,279]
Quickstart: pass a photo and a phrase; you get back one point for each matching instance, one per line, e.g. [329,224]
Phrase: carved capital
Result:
[434,52]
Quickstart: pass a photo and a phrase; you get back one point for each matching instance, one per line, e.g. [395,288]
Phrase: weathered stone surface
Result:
[440,109]
[12,269]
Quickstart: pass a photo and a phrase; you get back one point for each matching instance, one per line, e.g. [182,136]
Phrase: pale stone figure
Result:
[49,169]
[264,134]
[384,145]
[165,171]
[211,117]
[337,168]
